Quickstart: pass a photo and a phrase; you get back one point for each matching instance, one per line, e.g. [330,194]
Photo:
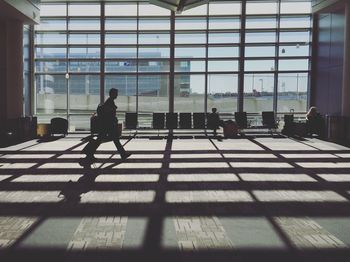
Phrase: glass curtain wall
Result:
[80,55]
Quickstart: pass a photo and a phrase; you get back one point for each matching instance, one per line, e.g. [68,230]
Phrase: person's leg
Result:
[118,145]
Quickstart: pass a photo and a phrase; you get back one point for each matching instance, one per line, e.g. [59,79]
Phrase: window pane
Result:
[113,52]
[225,65]
[51,24]
[258,93]
[50,52]
[53,10]
[296,7]
[189,66]
[84,24]
[295,22]
[50,38]
[81,52]
[84,91]
[152,10]
[223,51]
[222,92]
[190,38]
[153,93]
[153,66]
[294,65]
[218,38]
[84,10]
[120,66]
[224,23]
[261,22]
[260,7]
[259,65]
[263,37]
[159,38]
[292,92]
[84,66]
[189,93]
[189,52]
[222,8]
[154,24]
[121,9]
[80,122]
[50,66]
[154,52]
[260,51]
[295,50]
[295,37]
[120,39]
[84,39]
[126,84]
[190,24]
[51,94]
[121,24]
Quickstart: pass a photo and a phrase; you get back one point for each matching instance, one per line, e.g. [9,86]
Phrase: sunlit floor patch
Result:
[59,166]
[344,155]
[312,156]
[128,178]
[27,156]
[323,165]
[335,177]
[260,165]
[276,177]
[201,177]
[12,228]
[298,196]
[305,233]
[46,178]
[208,196]
[99,233]
[118,197]
[138,166]
[17,165]
[198,156]
[29,196]
[199,165]
[250,156]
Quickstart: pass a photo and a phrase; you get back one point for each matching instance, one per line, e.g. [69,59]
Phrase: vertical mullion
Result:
[67,65]
[206,63]
[137,55]
[241,58]
[277,48]
[102,52]
[172,63]
[31,90]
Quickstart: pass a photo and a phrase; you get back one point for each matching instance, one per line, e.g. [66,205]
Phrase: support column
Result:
[172,63]
[346,69]
[11,69]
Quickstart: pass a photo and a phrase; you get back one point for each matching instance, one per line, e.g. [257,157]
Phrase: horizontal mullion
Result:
[293,71]
[293,57]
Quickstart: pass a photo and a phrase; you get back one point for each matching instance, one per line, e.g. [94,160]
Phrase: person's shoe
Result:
[126,155]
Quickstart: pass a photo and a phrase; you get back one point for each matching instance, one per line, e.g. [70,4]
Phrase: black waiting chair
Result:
[185,121]
[131,120]
[171,120]
[158,120]
[59,126]
[199,120]
[241,120]
[269,121]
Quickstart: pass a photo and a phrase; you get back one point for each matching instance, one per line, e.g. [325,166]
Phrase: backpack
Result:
[100,110]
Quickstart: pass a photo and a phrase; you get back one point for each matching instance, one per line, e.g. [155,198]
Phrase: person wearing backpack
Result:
[108,125]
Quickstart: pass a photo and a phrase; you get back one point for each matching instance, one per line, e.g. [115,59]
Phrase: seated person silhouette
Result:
[314,122]
[214,121]
[108,127]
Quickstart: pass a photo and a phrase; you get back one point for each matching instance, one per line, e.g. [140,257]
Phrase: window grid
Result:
[219,50]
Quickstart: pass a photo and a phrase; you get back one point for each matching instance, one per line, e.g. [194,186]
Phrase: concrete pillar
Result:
[11,69]
[346,72]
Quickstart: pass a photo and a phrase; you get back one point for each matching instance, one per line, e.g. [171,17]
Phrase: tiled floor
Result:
[273,199]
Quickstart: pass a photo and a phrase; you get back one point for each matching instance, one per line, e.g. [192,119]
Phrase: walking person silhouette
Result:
[108,127]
